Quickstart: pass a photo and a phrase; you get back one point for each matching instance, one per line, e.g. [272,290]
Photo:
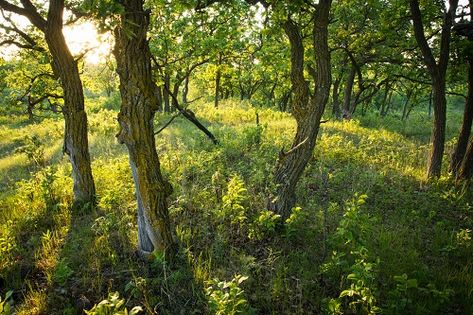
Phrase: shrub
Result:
[226,297]
[113,305]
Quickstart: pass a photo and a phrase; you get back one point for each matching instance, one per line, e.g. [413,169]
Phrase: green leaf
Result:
[412,283]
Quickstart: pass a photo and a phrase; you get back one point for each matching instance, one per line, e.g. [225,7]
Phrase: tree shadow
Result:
[99,256]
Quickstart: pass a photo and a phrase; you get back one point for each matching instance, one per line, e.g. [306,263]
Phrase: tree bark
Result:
[139,103]
[185,90]
[460,148]
[166,89]
[75,134]
[336,111]
[405,109]
[465,171]
[65,67]
[437,72]
[306,111]
[348,92]
[218,76]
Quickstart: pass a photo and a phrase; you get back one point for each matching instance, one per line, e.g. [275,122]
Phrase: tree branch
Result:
[28,10]
[168,123]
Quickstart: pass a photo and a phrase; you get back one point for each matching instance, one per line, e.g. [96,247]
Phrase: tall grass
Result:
[368,233]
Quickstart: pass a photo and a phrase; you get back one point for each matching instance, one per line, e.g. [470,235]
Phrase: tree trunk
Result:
[405,109]
[465,171]
[65,67]
[284,100]
[307,112]
[218,76]
[159,95]
[166,89]
[437,71]
[348,92]
[138,107]
[465,131]
[336,111]
[438,130]
[185,90]
[75,134]
[175,93]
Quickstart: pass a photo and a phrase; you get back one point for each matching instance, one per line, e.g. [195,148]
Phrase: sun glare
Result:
[84,38]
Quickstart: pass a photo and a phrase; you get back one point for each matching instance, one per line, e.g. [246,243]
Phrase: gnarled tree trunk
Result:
[65,67]
[437,71]
[75,118]
[305,110]
[138,107]
[465,131]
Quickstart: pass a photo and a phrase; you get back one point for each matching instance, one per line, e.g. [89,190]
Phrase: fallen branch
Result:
[167,124]
[191,117]
[184,111]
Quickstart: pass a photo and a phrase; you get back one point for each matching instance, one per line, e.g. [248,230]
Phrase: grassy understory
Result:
[368,235]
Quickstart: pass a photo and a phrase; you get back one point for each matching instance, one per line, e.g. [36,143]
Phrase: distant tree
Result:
[50,24]
[32,86]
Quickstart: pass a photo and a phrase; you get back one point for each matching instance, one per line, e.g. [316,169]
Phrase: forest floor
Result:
[368,235]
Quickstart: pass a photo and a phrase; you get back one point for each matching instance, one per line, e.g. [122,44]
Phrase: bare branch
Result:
[168,123]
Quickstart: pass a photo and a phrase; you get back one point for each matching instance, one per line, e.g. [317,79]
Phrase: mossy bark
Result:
[76,144]
[306,110]
[139,104]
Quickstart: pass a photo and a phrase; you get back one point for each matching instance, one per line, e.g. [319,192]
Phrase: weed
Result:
[113,305]
[226,297]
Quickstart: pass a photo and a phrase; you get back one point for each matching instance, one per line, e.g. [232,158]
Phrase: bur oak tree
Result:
[136,118]
[437,69]
[50,24]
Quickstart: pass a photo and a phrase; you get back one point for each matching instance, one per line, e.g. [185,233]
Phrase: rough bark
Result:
[65,67]
[185,90]
[336,111]
[75,133]
[166,96]
[348,93]
[218,76]
[437,71]
[465,131]
[307,111]
[138,107]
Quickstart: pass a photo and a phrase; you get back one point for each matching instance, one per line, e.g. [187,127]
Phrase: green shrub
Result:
[113,305]
[226,297]
[264,225]
[6,303]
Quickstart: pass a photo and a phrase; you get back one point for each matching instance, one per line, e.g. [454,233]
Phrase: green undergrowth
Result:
[369,235]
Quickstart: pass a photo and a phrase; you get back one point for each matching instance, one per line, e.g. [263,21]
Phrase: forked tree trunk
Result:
[306,111]
[138,107]
[75,134]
